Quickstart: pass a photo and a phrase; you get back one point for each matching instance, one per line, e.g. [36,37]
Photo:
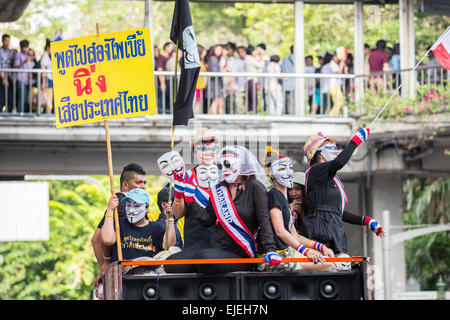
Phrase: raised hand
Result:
[361,136]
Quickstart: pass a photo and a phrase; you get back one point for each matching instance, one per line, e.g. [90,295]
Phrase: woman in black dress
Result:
[325,197]
[237,208]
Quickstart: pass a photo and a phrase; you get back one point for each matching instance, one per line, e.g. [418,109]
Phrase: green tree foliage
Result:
[64,266]
[428,256]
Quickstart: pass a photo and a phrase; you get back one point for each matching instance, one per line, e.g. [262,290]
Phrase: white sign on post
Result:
[24,214]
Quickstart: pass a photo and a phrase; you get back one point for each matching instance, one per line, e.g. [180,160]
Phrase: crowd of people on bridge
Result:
[18,88]
[20,91]
[272,95]
[235,206]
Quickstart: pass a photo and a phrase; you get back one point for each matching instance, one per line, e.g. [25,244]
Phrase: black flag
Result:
[182,34]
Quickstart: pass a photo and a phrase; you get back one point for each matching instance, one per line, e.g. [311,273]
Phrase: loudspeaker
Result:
[181,287]
[346,285]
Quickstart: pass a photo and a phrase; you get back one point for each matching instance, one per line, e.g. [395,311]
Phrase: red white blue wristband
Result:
[302,249]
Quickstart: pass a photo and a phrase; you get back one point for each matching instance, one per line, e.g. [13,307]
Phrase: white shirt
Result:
[47,63]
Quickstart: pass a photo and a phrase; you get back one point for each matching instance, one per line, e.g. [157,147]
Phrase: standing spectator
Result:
[395,59]
[34,81]
[252,65]
[230,49]
[264,59]
[317,92]
[238,83]
[170,66]
[349,65]
[215,85]
[287,66]
[366,58]
[6,83]
[274,89]
[22,60]
[163,82]
[201,84]
[47,78]
[335,66]
[310,83]
[379,62]
[326,100]
[156,54]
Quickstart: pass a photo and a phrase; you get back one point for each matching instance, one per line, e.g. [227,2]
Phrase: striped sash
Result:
[229,219]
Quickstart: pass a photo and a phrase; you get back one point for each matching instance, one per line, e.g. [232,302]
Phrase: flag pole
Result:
[403,81]
[171,144]
[111,181]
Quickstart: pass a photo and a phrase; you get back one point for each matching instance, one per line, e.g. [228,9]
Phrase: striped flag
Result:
[441,50]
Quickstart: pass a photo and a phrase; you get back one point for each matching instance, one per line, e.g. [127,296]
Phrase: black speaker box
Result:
[181,287]
[346,285]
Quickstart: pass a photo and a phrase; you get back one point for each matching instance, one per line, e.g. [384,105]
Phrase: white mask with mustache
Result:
[208,176]
[230,165]
[283,172]
[171,162]
[135,211]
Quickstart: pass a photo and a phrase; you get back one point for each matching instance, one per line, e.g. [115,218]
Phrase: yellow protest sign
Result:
[103,77]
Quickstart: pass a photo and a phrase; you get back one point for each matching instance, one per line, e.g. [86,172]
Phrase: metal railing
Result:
[230,93]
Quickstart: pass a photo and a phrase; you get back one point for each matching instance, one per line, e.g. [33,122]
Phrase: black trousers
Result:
[202,250]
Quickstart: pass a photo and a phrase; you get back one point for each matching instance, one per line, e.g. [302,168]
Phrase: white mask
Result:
[135,211]
[329,151]
[230,165]
[208,176]
[283,172]
[171,162]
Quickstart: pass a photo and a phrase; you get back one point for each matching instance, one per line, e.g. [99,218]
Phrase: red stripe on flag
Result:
[442,56]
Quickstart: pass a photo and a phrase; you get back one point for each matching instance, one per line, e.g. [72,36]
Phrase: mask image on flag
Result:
[171,162]
[191,58]
[283,172]
[207,176]
[135,211]
[329,151]
[229,165]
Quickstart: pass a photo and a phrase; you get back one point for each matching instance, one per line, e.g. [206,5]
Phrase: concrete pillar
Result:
[386,193]
[299,57]
[358,49]
[148,22]
[407,47]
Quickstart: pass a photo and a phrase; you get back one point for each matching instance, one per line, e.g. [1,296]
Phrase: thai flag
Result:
[441,49]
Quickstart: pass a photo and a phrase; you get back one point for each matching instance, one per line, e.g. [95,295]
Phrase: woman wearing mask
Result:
[325,197]
[289,243]
[237,208]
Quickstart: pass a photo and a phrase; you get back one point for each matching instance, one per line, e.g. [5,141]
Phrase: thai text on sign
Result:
[103,77]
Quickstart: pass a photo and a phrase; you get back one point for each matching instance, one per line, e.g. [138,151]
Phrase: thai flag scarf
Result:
[229,219]
[194,192]
[344,199]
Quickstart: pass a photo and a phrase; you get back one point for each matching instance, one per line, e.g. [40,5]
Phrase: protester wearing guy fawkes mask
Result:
[325,197]
[139,236]
[194,185]
[289,244]
[237,212]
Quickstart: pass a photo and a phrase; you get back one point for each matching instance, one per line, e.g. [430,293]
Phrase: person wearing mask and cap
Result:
[194,185]
[325,197]
[289,243]
[165,208]
[237,210]
[139,237]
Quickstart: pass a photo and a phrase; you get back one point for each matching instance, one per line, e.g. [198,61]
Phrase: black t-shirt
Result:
[194,231]
[139,241]
[120,209]
[277,200]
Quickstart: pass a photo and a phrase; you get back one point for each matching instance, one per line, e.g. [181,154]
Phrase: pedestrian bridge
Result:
[33,145]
